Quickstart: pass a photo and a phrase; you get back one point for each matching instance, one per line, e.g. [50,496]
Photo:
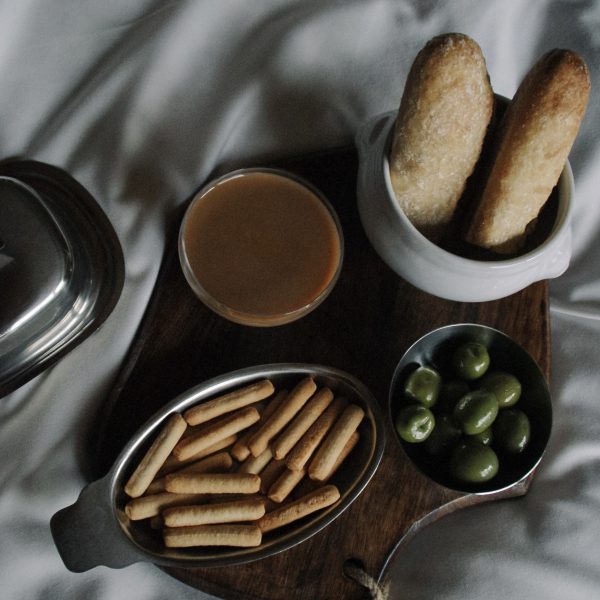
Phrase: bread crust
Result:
[444,114]
[533,142]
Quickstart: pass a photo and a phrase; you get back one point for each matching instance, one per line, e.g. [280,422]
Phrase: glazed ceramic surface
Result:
[431,268]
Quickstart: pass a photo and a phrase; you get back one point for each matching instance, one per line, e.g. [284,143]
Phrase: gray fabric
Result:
[139,101]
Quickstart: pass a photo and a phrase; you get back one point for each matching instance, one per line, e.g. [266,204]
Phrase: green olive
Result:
[473,462]
[450,393]
[444,435]
[414,423]
[423,385]
[485,437]
[471,360]
[512,431]
[504,386]
[475,411]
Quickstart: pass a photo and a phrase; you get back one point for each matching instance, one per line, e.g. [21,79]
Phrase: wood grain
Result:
[369,320]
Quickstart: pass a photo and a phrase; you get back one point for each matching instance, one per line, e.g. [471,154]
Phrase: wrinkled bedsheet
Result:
[140,101]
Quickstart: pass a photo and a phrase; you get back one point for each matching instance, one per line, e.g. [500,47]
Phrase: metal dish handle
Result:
[87,534]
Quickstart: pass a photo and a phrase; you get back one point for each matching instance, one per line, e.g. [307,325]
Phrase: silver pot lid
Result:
[61,268]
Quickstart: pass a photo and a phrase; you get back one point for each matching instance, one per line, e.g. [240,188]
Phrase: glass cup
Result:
[261,247]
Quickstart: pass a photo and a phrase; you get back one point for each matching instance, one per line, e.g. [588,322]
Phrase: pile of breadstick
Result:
[243,463]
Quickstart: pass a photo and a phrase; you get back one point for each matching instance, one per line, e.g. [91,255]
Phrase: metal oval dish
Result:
[95,530]
[435,349]
[61,268]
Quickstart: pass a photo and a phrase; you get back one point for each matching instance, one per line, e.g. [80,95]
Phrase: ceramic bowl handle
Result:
[87,534]
[371,133]
[559,262]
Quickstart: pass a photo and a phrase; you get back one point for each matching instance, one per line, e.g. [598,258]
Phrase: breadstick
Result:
[150,506]
[348,447]
[172,464]
[282,416]
[212,535]
[232,401]
[284,484]
[307,484]
[249,509]
[240,450]
[303,450]
[334,442]
[311,411]
[444,114]
[212,483]
[255,464]
[288,513]
[270,473]
[535,137]
[222,428]
[221,461]
[156,455]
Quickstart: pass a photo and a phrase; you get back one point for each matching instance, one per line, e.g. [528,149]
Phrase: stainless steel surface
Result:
[73,528]
[61,268]
[435,349]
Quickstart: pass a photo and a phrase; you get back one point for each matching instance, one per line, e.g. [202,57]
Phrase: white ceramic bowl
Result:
[431,268]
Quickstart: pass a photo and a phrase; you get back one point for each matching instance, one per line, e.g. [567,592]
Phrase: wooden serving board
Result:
[369,320]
